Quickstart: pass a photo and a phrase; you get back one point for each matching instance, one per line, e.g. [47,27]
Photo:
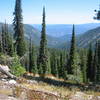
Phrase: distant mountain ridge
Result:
[89,37]
[83,39]
[35,34]
[63,30]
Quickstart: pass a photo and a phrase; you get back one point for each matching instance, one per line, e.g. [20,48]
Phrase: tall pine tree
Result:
[72,53]
[43,59]
[32,63]
[89,69]
[97,63]
[3,39]
[20,44]
[62,70]
[7,41]
[98,67]
[1,47]
[83,54]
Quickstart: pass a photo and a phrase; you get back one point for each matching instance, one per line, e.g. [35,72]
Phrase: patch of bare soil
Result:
[23,89]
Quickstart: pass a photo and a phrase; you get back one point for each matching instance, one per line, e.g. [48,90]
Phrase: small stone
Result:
[4,80]
[6,68]
[12,82]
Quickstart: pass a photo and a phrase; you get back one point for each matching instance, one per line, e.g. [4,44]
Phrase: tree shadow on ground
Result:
[69,85]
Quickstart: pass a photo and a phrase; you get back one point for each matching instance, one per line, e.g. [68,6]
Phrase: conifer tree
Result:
[73,66]
[1,47]
[6,37]
[56,67]
[20,44]
[10,46]
[32,63]
[84,65]
[72,53]
[43,59]
[7,41]
[98,67]
[89,64]
[52,61]
[97,53]
[97,63]
[48,63]
[3,40]
[62,70]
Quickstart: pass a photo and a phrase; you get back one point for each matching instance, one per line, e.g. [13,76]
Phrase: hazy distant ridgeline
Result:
[60,30]
[59,36]
[35,34]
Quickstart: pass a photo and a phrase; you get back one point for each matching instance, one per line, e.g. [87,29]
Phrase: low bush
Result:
[74,78]
[5,59]
[16,68]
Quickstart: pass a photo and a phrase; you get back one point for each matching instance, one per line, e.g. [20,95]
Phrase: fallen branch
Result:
[6,72]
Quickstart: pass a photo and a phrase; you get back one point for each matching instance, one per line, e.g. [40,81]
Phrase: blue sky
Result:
[57,11]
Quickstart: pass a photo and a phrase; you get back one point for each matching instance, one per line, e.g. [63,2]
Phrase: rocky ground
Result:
[23,89]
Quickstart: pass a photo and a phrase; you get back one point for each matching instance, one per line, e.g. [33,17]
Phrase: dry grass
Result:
[39,90]
[59,91]
[92,93]
[6,92]
[17,91]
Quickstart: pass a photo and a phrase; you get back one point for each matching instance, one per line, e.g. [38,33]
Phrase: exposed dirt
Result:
[23,89]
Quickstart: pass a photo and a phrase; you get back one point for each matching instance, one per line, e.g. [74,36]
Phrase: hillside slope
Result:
[35,34]
[84,40]
[88,37]
[61,30]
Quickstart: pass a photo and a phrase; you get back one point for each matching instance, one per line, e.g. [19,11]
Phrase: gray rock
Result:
[5,70]
[12,82]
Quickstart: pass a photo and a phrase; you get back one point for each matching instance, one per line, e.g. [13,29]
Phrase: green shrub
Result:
[74,78]
[5,59]
[16,68]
